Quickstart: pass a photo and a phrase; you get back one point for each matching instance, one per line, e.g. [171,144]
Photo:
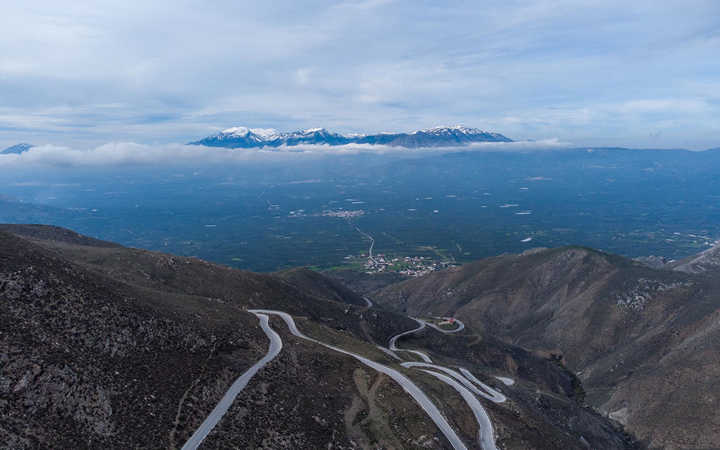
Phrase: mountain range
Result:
[642,341]
[104,346]
[123,348]
[243,137]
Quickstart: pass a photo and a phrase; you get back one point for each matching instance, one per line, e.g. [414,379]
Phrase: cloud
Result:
[685,106]
[173,71]
[119,154]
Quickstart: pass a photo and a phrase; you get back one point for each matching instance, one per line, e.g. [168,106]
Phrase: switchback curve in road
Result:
[486,434]
[227,400]
[411,388]
[460,326]
[466,378]
[393,341]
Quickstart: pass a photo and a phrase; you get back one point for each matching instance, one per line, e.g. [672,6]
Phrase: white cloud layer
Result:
[118,154]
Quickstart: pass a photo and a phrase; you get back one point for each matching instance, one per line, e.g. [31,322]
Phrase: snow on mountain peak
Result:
[447,129]
[263,133]
[238,131]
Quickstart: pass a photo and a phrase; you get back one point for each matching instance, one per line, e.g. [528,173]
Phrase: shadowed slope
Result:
[644,342]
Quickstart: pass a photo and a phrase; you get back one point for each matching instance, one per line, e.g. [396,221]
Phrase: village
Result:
[410,266]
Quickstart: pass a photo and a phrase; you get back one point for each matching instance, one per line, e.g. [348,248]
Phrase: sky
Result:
[589,73]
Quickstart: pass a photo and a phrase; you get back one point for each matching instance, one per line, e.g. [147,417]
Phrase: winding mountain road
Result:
[393,340]
[463,382]
[411,388]
[460,326]
[494,396]
[227,400]
[467,379]
[389,352]
[486,433]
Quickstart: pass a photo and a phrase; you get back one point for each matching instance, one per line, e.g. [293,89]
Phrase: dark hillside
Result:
[114,347]
[628,331]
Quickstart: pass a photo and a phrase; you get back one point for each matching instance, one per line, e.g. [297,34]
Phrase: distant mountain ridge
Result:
[243,137]
[17,149]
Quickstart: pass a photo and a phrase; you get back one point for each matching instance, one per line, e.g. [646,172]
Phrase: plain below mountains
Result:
[243,137]
[103,346]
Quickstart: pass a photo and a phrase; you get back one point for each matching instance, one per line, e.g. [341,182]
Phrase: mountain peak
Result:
[245,131]
[314,130]
[17,149]
[451,129]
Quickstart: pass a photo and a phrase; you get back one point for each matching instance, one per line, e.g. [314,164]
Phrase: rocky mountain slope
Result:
[707,261]
[243,137]
[644,342]
[109,347]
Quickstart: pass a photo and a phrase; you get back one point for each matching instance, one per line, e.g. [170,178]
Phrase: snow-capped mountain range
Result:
[243,137]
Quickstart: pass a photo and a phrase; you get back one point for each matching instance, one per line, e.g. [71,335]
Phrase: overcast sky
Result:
[633,73]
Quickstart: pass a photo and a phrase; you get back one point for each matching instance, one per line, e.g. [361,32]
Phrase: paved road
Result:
[506,381]
[389,352]
[411,388]
[462,382]
[421,325]
[393,341]
[466,378]
[494,396]
[486,434]
[460,326]
[372,242]
[222,407]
